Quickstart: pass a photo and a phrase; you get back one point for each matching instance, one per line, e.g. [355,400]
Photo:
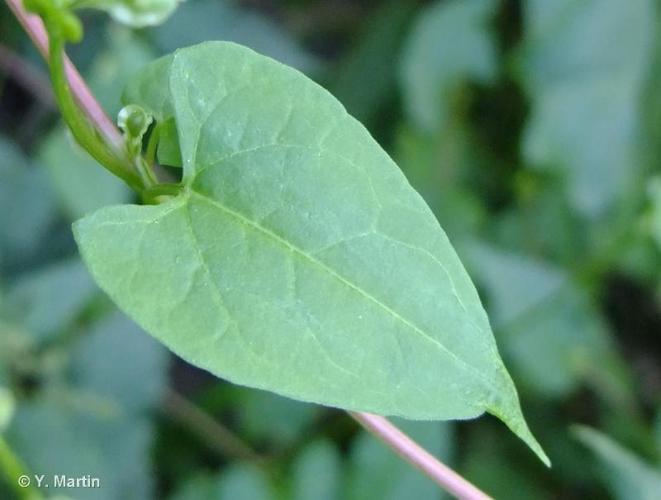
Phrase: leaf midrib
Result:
[296,250]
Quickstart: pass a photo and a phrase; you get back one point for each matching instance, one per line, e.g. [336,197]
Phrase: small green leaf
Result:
[168,144]
[628,477]
[449,44]
[297,258]
[243,481]
[26,205]
[149,90]
[134,13]
[134,122]
[236,482]
[39,301]
[126,54]
[112,356]
[57,15]
[82,441]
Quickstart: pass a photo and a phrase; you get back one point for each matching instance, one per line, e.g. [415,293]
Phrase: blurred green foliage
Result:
[531,127]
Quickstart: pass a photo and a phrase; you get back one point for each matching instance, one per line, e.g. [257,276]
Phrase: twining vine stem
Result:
[413,453]
[34,27]
[402,444]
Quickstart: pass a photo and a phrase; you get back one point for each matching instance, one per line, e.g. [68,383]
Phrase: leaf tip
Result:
[517,424]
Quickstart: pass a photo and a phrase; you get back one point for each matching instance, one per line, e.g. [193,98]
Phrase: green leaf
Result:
[450,43]
[585,92]
[542,221]
[125,55]
[628,477]
[48,300]
[135,13]
[202,20]
[236,482]
[80,442]
[317,472]
[244,481]
[134,122]
[168,152]
[26,205]
[149,90]
[297,258]
[115,354]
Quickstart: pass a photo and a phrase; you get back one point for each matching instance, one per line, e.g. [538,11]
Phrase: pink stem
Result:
[88,104]
[413,453]
[408,449]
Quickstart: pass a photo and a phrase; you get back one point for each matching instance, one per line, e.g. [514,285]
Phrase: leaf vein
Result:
[296,250]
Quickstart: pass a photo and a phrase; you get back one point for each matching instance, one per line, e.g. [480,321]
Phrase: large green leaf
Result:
[627,476]
[585,92]
[297,258]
